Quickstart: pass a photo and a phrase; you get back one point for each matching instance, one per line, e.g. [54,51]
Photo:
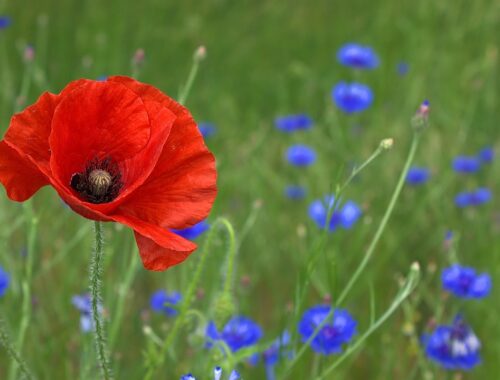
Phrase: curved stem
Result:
[12,352]
[95,291]
[383,223]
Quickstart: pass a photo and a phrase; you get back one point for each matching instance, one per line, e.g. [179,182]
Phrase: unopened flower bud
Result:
[138,57]
[200,53]
[421,118]
[29,53]
[387,143]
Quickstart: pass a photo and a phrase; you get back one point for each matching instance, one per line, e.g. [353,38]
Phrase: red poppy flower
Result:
[117,150]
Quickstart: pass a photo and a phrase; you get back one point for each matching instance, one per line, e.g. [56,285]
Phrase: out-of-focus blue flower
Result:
[102,78]
[193,232]
[402,68]
[417,175]
[352,97]
[292,123]
[357,56]
[163,302]
[453,347]
[4,281]
[5,22]
[465,283]
[217,375]
[338,330]
[466,164]
[295,192]
[300,155]
[273,353]
[346,216]
[238,333]
[473,198]
[207,129]
[486,155]
[83,303]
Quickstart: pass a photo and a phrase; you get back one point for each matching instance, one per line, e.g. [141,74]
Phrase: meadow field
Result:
[266,79]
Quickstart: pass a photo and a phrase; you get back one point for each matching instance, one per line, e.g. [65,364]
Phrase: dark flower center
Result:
[100,182]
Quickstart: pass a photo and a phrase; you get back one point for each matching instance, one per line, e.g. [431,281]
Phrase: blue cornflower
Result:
[346,216]
[417,175]
[5,22]
[217,375]
[102,78]
[207,129]
[466,164]
[486,155]
[473,198]
[83,303]
[465,283]
[300,155]
[292,123]
[352,97]
[163,302]
[295,192]
[402,68]
[453,347]
[238,333]
[338,330]
[4,281]
[357,56]
[193,232]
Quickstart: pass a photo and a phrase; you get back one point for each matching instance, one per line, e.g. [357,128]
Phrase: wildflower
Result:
[453,347]
[465,164]
[163,302]
[421,118]
[238,333]
[338,330]
[474,198]
[102,78]
[402,68]
[4,281]
[357,56]
[486,154]
[292,123]
[295,192]
[463,282]
[29,53]
[5,22]
[352,97]
[193,232]
[346,217]
[300,155]
[83,303]
[118,150]
[207,129]
[217,375]
[417,175]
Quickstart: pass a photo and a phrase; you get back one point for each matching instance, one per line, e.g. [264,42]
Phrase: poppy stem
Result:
[198,56]
[12,352]
[95,292]
[32,223]
[385,219]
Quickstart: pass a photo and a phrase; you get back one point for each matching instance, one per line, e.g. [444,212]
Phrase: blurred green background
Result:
[265,59]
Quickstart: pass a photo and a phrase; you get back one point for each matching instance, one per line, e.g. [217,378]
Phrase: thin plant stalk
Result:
[13,353]
[32,224]
[95,292]
[383,223]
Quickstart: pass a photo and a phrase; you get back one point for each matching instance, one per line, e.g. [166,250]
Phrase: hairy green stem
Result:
[32,224]
[186,89]
[383,223]
[12,352]
[95,292]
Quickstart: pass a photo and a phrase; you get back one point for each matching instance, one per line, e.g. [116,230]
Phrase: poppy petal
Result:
[20,177]
[159,248]
[29,131]
[99,120]
[181,189]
